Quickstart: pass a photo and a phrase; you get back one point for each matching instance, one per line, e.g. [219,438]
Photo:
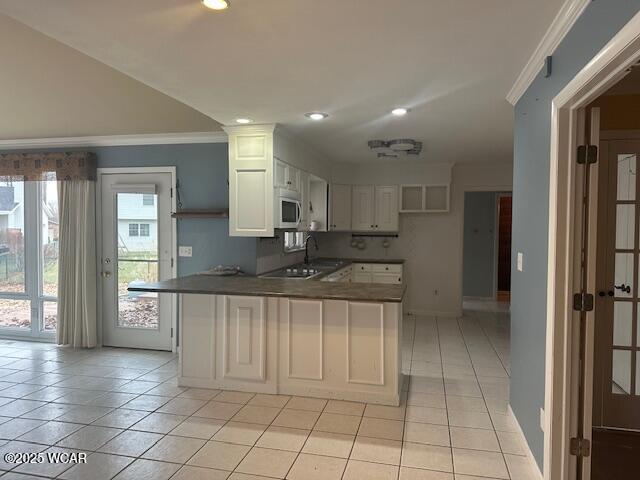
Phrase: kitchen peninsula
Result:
[290,336]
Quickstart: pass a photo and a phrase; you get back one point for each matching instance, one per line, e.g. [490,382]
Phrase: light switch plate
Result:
[520,261]
[185,251]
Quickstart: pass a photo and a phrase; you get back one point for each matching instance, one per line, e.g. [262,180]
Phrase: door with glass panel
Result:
[617,354]
[136,248]
[28,258]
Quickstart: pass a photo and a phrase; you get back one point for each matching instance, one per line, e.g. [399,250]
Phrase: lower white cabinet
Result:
[390,273]
[338,349]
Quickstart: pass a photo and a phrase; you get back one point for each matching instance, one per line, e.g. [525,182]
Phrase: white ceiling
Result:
[452,62]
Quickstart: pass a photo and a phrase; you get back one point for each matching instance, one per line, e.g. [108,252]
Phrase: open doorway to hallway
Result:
[487,246]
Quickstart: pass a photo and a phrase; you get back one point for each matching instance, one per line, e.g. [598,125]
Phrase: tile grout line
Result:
[504,460]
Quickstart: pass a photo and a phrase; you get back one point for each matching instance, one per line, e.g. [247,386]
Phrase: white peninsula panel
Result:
[339,349]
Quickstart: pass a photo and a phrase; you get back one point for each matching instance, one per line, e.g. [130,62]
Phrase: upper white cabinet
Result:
[387,219]
[251,182]
[362,204]
[261,160]
[340,207]
[374,208]
[424,198]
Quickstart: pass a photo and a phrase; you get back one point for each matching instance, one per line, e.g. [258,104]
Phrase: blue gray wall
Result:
[479,260]
[202,171]
[599,23]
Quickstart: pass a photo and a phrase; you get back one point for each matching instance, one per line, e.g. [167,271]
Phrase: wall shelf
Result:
[424,198]
[201,213]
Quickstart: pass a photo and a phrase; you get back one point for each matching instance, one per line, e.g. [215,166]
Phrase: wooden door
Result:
[504,243]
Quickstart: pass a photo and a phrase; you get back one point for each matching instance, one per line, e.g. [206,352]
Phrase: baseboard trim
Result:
[530,456]
[434,313]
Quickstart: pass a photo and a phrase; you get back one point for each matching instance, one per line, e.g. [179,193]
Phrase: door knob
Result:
[106,274]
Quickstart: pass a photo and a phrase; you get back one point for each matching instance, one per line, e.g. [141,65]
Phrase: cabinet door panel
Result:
[362,277]
[340,207]
[362,208]
[244,337]
[280,174]
[387,214]
[387,278]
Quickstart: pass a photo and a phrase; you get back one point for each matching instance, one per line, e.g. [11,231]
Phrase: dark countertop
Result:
[272,287]
[398,261]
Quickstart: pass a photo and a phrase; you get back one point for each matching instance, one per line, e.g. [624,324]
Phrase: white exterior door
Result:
[137,247]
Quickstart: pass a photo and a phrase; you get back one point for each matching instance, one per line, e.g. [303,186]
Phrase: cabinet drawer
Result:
[387,268]
[361,267]
[393,278]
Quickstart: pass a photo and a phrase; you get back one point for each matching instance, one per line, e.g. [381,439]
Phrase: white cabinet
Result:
[251,182]
[363,207]
[386,208]
[286,176]
[305,201]
[374,208]
[340,207]
[377,273]
[424,198]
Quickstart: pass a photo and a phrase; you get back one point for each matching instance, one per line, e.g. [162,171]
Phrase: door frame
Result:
[496,244]
[174,241]
[562,356]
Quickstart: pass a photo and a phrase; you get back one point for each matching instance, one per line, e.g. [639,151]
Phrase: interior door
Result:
[137,245]
[617,365]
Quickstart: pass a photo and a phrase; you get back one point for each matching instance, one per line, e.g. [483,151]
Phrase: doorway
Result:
[487,246]
[590,369]
[137,245]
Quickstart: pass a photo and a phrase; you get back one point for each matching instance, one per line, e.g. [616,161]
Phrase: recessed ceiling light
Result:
[243,120]
[216,4]
[317,115]
[400,111]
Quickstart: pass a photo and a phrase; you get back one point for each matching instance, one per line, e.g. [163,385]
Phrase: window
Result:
[144,229]
[29,237]
[293,241]
[133,229]
[148,200]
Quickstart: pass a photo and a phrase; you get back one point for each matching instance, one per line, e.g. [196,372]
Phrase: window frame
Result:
[141,228]
[137,230]
[293,246]
[145,199]
[33,269]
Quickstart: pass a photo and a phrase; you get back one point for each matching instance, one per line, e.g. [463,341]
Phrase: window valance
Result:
[59,166]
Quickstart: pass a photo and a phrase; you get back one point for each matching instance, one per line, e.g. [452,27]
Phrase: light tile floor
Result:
[124,408]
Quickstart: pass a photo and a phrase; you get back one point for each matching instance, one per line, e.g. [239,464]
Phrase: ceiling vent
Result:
[395,148]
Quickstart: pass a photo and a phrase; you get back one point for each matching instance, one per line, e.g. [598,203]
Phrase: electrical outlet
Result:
[520,261]
[542,419]
[185,251]
[435,292]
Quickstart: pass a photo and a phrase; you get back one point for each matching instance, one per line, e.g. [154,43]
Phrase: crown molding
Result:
[565,19]
[115,140]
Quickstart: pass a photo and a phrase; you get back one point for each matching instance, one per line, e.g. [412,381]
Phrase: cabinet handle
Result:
[386,268]
[371,226]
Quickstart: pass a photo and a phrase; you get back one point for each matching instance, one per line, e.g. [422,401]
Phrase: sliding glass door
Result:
[28,258]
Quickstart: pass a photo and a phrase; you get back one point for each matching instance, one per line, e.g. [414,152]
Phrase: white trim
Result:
[174,240]
[564,21]
[523,440]
[604,70]
[116,140]
[433,313]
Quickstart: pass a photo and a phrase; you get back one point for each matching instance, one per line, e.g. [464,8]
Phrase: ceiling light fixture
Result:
[400,111]
[216,4]
[243,121]
[316,115]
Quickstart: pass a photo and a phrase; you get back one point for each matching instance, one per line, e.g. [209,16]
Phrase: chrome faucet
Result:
[306,248]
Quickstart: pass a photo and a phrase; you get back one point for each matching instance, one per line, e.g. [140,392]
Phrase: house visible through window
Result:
[148,200]
[144,229]
[293,241]
[133,229]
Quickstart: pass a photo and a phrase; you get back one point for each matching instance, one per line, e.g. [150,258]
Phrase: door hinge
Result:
[171,332]
[583,302]
[587,154]
[172,263]
[580,447]
[171,192]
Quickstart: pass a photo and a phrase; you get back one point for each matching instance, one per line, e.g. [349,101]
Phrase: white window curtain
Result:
[77,282]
